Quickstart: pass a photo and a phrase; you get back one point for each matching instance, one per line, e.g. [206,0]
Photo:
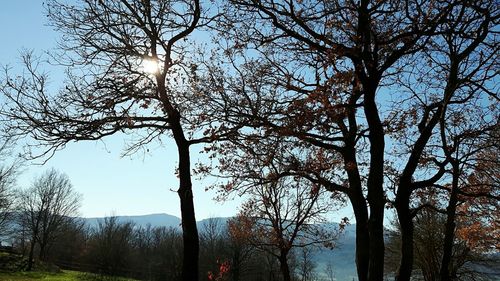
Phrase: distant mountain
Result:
[221,221]
[155,220]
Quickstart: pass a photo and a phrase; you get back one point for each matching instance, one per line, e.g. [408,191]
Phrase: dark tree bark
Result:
[191,242]
[189,229]
[235,265]
[376,196]
[362,237]
[406,223]
[449,228]
[29,267]
[402,202]
[284,267]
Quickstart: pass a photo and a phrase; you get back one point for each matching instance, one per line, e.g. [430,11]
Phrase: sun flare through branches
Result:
[150,65]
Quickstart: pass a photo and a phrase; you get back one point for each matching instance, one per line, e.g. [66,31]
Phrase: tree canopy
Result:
[380,103]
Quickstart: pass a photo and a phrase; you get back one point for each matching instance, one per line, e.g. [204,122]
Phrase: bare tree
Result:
[70,247]
[46,208]
[344,83]
[213,245]
[313,77]
[241,252]
[111,246]
[167,250]
[472,188]
[6,198]
[283,216]
[8,174]
[305,264]
[128,69]
[465,262]
[330,273]
[463,54]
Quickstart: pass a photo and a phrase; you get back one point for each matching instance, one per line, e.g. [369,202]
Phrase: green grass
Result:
[64,275]
[11,266]
[25,276]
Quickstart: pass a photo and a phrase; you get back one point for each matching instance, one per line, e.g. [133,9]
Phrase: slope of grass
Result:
[64,275]
[12,269]
[28,276]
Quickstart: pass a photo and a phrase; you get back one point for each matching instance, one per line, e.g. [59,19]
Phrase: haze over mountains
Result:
[342,258]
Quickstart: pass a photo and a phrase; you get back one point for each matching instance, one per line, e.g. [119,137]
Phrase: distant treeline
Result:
[155,253]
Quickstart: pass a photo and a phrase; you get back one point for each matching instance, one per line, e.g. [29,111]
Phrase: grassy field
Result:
[10,265]
[64,275]
[25,276]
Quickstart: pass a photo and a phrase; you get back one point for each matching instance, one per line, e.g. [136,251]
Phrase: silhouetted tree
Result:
[167,253]
[71,243]
[465,138]
[463,55]
[110,246]
[127,71]
[241,252]
[213,239]
[8,173]
[430,232]
[472,149]
[45,208]
[282,216]
[334,81]
[305,264]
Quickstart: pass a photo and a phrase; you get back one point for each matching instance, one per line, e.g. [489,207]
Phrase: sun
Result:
[150,65]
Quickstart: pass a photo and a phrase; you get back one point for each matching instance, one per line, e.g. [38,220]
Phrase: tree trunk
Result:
[285,269]
[41,254]
[189,229]
[31,256]
[33,243]
[449,231]
[377,247]
[402,203]
[235,266]
[185,192]
[191,246]
[235,272]
[362,237]
[407,229]
[359,207]
[375,183]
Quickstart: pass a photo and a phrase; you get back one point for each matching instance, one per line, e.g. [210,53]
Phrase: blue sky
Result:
[143,184]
